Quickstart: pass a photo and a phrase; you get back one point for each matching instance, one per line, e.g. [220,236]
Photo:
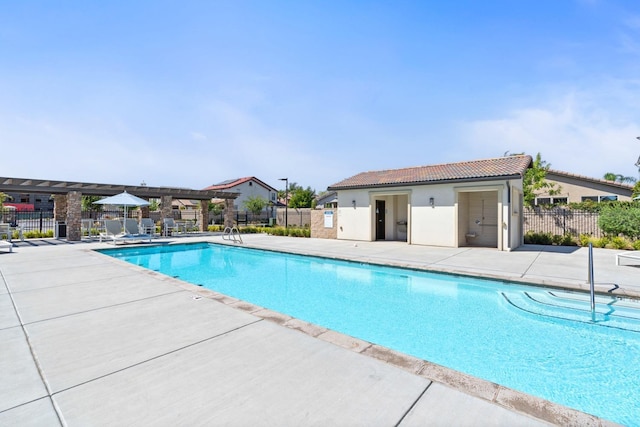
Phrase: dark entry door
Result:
[379,219]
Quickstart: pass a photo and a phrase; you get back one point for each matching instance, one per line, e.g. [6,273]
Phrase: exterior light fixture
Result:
[431,201]
[353,202]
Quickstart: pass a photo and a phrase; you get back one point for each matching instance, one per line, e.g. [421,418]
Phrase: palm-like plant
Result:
[3,197]
[610,176]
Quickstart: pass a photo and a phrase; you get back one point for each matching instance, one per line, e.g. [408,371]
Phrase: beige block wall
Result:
[318,229]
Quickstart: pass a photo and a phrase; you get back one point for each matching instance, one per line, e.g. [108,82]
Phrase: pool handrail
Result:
[232,233]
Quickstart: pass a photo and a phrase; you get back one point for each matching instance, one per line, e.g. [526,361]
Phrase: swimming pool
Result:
[540,341]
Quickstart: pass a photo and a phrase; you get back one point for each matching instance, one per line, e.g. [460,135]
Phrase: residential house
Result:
[327,200]
[247,187]
[472,203]
[577,188]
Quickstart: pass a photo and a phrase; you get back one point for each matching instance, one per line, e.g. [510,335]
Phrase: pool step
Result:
[610,312]
[619,306]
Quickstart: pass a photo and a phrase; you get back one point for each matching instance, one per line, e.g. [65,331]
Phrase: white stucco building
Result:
[473,203]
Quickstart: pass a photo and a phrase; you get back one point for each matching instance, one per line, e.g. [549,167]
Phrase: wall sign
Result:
[328,219]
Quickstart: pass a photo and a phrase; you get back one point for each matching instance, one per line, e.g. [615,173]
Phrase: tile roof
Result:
[232,183]
[462,171]
[558,173]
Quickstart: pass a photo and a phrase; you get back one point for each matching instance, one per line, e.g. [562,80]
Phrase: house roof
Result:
[184,202]
[557,173]
[232,183]
[475,170]
[328,197]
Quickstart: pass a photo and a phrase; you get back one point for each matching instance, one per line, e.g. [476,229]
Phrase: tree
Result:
[216,208]
[534,181]
[87,203]
[302,198]
[610,176]
[299,197]
[3,197]
[293,187]
[255,204]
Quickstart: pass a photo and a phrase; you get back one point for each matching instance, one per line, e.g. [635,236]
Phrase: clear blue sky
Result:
[191,93]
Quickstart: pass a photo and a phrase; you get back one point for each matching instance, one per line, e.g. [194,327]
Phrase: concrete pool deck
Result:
[91,340]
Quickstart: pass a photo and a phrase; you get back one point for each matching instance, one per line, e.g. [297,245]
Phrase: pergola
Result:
[68,198]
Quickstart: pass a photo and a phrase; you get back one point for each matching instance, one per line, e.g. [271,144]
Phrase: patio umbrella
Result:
[123,199]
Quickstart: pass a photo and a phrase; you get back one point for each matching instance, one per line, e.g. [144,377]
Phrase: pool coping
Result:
[513,400]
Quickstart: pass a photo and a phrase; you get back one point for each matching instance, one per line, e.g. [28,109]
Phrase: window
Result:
[543,200]
[600,198]
[551,200]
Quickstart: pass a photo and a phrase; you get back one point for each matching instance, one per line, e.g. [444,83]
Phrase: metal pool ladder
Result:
[591,281]
[232,234]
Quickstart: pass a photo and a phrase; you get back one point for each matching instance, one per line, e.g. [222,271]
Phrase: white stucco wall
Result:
[433,225]
[354,223]
[445,223]
[252,190]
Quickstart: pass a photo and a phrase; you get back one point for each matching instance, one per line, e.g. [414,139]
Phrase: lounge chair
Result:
[113,232]
[628,254]
[147,226]
[88,227]
[5,233]
[169,226]
[131,226]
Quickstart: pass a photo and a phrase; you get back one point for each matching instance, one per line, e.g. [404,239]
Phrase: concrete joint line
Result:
[158,356]
[531,265]
[31,350]
[103,307]
[413,404]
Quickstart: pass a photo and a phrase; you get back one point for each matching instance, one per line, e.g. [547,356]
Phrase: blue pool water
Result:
[540,341]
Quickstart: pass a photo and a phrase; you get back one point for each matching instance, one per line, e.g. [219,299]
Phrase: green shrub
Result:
[601,242]
[568,240]
[636,245]
[620,219]
[618,243]
[585,239]
[35,234]
[291,231]
[538,238]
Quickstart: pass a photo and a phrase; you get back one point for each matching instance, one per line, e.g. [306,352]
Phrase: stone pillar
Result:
[60,207]
[74,216]
[203,221]
[143,212]
[166,210]
[228,213]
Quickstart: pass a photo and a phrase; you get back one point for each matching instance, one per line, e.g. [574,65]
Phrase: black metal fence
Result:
[43,222]
[558,221]
[561,221]
[29,221]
